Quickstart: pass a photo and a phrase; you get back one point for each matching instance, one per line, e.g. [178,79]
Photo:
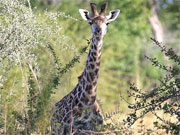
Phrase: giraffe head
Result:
[99,21]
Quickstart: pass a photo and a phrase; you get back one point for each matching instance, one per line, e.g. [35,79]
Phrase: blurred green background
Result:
[125,45]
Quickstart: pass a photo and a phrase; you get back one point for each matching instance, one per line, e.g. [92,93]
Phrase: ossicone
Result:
[103,9]
[94,9]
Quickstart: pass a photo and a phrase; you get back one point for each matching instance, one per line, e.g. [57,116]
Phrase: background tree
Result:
[30,69]
[162,99]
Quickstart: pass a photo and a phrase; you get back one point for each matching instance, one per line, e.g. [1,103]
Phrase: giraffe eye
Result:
[90,23]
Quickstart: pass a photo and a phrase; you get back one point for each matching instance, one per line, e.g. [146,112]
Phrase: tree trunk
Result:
[156,25]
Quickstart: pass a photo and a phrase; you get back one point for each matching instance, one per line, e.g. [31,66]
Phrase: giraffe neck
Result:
[90,75]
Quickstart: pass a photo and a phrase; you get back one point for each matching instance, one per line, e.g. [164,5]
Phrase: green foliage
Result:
[39,49]
[30,68]
[170,10]
[164,98]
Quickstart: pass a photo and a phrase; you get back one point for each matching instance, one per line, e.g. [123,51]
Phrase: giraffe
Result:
[79,109]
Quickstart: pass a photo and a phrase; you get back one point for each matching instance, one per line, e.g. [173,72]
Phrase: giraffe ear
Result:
[112,15]
[85,14]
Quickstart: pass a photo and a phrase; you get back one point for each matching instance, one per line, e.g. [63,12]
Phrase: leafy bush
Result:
[29,66]
[164,98]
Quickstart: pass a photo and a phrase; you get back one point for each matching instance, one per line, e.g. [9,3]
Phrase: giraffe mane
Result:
[79,77]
